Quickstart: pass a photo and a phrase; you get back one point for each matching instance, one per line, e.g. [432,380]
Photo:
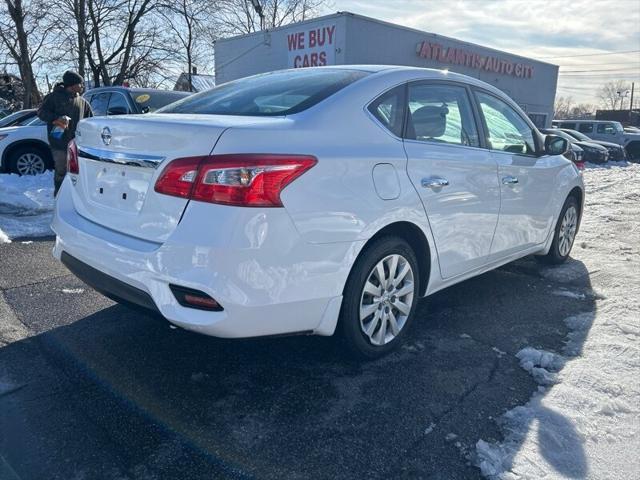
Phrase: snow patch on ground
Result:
[72,290]
[26,206]
[567,293]
[584,420]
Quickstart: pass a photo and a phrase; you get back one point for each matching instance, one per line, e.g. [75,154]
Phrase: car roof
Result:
[134,90]
[587,121]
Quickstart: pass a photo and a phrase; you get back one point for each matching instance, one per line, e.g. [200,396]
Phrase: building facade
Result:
[345,38]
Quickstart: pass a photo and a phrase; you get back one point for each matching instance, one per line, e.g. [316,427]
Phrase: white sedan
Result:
[313,201]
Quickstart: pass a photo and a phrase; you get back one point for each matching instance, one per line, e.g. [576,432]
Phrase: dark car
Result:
[125,100]
[16,119]
[593,152]
[616,152]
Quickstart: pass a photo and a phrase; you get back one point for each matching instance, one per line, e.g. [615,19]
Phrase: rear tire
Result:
[564,234]
[28,160]
[380,298]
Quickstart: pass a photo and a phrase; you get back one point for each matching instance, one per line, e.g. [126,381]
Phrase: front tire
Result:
[380,298]
[565,233]
[28,161]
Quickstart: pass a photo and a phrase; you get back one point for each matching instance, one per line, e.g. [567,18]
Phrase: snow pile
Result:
[26,206]
[584,421]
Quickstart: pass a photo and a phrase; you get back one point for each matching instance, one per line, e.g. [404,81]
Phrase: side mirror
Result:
[117,111]
[554,145]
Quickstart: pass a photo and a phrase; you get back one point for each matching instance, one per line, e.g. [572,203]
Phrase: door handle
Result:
[509,180]
[434,182]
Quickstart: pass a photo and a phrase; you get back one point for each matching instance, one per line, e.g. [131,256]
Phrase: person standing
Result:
[62,109]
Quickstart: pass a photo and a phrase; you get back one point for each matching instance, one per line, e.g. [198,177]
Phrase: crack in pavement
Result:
[32,284]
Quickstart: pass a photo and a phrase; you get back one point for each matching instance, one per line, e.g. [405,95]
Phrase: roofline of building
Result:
[381,22]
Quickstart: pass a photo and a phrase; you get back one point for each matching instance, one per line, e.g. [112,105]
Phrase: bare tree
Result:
[610,94]
[240,16]
[582,110]
[563,107]
[25,33]
[112,37]
[191,24]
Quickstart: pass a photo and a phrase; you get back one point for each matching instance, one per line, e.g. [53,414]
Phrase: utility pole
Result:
[631,103]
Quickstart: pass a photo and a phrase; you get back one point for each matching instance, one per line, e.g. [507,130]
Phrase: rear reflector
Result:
[247,180]
[188,297]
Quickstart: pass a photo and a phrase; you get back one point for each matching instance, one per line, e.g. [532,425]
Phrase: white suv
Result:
[313,200]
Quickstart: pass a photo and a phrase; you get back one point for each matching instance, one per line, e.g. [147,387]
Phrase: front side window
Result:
[441,113]
[389,109]
[118,105]
[507,130]
[586,128]
[606,128]
[269,94]
[99,103]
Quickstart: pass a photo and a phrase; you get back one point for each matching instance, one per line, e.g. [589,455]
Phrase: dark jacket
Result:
[58,104]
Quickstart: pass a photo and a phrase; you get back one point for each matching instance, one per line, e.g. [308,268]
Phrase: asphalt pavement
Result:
[93,390]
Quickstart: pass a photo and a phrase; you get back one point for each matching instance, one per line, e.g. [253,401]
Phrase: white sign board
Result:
[312,46]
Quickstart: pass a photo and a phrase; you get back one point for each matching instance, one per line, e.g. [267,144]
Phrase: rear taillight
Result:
[178,177]
[247,180]
[72,158]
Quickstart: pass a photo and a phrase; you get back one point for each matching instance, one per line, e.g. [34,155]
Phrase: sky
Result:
[568,33]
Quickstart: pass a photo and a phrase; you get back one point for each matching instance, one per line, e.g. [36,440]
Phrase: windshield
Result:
[11,119]
[618,127]
[578,135]
[270,94]
[154,100]
[559,133]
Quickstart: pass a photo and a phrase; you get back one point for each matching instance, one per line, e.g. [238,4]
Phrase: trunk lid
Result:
[122,157]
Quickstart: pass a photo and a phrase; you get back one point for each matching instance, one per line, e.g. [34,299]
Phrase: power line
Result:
[614,74]
[595,64]
[613,70]
[593,54]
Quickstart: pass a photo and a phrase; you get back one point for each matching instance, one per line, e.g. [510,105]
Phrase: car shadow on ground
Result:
[167,403]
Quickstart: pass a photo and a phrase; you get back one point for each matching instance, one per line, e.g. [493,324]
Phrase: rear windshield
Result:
[270,94]
[154,99]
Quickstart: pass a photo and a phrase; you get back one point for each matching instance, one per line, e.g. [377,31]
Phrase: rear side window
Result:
[389,109]
[571,126]
[585,128]
[270,94]
[441,113]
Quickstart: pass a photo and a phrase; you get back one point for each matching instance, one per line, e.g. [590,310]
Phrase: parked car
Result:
[592,152]
[606,130]
[576,155]
[313,200]
[617,152]
[125,100]
[25,151]
[18,118]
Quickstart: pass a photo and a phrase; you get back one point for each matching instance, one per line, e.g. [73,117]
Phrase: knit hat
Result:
[71,78]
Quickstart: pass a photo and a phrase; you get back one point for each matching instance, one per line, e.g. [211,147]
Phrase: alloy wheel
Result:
[30,163]
[567,231]
[386,299]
